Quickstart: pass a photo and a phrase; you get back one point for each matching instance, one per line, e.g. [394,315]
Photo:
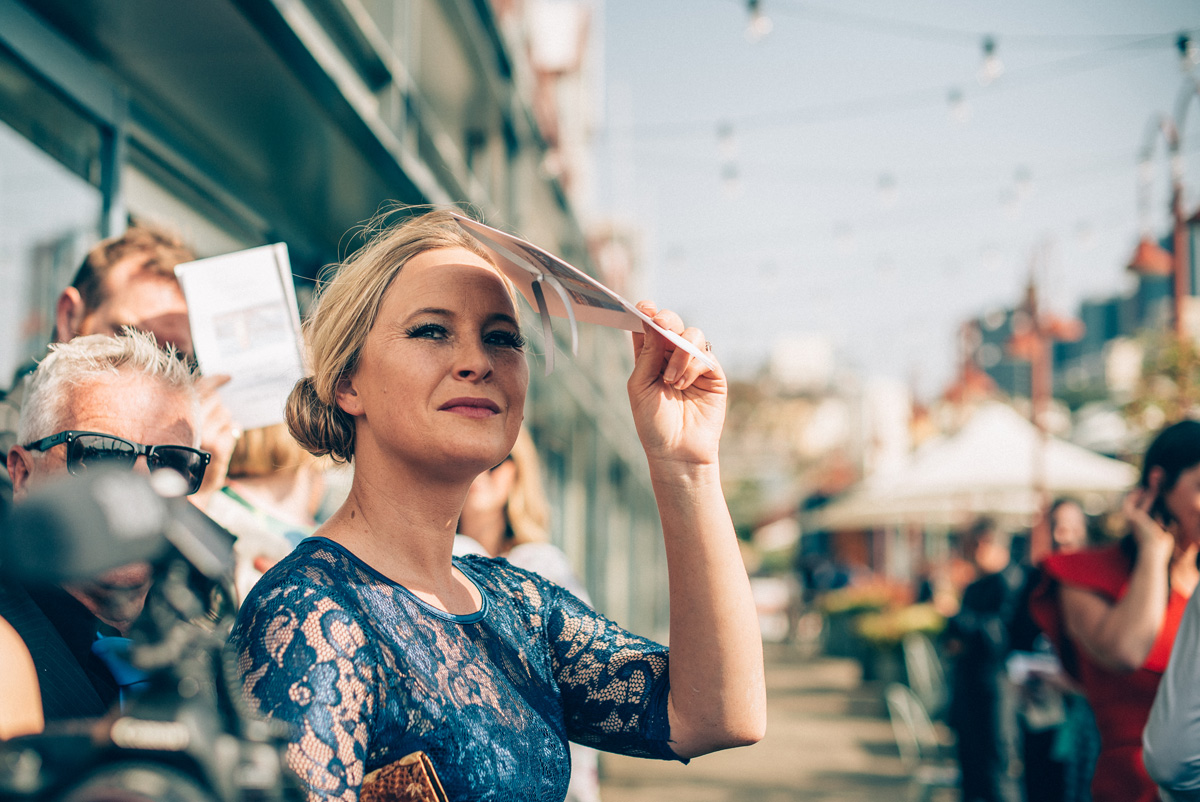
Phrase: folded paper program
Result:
[575,296]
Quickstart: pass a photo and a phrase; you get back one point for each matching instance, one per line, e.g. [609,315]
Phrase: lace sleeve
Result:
[614,684]
[304,660]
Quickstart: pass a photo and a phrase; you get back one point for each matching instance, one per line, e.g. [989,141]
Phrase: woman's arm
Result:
[293,671]
[20,697]
[1120,635]
[718,692]
[1170,742]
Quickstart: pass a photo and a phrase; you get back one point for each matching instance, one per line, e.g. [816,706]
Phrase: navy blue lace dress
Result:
[365,673]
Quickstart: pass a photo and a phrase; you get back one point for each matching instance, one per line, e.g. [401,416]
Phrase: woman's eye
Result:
[428,331]
[505,339]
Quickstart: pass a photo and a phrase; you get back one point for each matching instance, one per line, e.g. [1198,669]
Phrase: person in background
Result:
[1059,741]
[1171,741]
[372,642]
[270,501]
[96,401]
[20,697]
[506,515]
[129,281]
[976,638]
[1112,613]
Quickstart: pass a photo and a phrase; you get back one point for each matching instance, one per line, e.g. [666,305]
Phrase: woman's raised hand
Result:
[678,403]
[1152,535]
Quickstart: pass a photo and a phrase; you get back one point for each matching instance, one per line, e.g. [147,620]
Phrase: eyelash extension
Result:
[514,339]
[424,328]
[507,339]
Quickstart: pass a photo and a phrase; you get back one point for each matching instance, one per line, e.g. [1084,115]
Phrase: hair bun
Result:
[320,428]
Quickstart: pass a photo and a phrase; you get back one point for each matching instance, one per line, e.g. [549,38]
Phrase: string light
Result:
[992,67]
[960,110]
[887,190]
[1189,52]
[727,149]
[1023,183]
[760,24]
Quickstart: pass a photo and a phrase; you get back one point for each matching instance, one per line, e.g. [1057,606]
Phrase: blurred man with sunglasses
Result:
[129,281]
[96,401]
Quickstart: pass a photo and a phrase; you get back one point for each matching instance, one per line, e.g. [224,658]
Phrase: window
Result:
[49,217]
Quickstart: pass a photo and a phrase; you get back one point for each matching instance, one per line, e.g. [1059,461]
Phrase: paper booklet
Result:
[574,294]
[245,323]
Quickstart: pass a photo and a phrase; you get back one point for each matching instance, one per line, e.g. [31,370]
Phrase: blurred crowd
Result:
[1073,676]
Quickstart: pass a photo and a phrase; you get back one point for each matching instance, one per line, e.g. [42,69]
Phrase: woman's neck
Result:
[401,521]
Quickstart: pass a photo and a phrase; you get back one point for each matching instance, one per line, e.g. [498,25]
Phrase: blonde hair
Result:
[345,312]
[527,512]
[262,452]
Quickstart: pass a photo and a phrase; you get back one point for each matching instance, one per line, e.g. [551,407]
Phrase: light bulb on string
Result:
[727,150]
[887,190]
[1189,52]
[760,24]
[726,141]
[731,182]
[960,110]
[1023,183]
[992,67]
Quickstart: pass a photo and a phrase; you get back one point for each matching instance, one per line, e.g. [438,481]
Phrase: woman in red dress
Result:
[1113,612]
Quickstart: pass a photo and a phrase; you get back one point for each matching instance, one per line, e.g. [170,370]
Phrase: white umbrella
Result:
[988,467]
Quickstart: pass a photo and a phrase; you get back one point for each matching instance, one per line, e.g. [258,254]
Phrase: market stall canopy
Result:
[987,468]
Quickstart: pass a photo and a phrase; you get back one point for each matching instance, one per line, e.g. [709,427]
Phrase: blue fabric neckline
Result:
[468,618]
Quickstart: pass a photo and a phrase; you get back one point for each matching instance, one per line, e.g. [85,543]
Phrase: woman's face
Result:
[1183,502]
[442,377]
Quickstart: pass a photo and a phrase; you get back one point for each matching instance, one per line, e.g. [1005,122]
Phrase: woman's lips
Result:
[471,407]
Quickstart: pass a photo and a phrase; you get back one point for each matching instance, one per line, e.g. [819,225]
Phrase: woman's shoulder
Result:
[500,576]
[549,561]
[1104,570]
[316,569]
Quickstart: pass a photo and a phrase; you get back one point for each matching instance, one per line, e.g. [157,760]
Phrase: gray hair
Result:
[97,356]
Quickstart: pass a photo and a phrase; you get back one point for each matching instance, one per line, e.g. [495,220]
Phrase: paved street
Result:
[828,738]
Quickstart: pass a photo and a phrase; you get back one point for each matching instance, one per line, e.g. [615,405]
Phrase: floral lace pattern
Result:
[364,672]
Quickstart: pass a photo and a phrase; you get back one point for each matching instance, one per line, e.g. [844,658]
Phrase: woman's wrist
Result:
[685,473]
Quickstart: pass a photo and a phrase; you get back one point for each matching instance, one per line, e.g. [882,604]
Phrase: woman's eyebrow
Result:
[432,310]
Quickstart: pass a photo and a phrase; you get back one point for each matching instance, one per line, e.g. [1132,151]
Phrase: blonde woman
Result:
[372,642]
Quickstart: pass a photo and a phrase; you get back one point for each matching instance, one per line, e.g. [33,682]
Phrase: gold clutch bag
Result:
[409,779]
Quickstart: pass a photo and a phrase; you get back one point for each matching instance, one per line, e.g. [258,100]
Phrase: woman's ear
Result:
[346,396]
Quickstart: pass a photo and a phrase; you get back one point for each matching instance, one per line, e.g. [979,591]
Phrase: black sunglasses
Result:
[92,450]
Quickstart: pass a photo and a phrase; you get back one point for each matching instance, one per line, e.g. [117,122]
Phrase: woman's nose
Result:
[474,361]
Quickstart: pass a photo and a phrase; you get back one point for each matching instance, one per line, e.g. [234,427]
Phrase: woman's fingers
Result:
[683,368]
[679,369]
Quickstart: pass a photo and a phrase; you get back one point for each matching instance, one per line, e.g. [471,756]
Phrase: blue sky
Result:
[863,210]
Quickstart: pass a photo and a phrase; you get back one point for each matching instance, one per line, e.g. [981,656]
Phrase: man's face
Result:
[144,300]
[134,407]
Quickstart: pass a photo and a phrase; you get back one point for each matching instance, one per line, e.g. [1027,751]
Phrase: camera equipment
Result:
[186,737]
